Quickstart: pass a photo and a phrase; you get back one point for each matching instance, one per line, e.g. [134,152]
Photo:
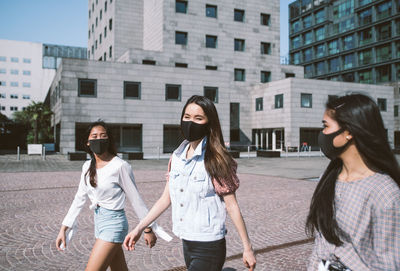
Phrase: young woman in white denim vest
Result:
[201,188]
[106,180]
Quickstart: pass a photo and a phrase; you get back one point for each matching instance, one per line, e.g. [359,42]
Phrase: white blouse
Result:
[115,181]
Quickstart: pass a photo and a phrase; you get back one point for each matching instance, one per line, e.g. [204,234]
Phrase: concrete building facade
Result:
[144,68]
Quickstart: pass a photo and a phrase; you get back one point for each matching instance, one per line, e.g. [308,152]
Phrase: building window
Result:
[95,45]
[348,61]
[3,58]
[89,34]
[295,26]
[211,41]
[384,31]
[333,47]
[296,42]
[348,77]
[105,32]
[265,19]
[101,14]
[13,96]
[306,5]
[307,21]
[320,16]
[365,76]
[212,68]
[279,101]
[320,68]
[365,17]
[384,52]
[180,6]
[2,96]
[3,83]
[100,39]
[3,71]
[320,50]
[348,42]
[265,48]
[181,38]
[240,75]
[295,59]
[307,55]
[14,84]
[307,37]
[26,97]
[383,74]
[384,10]
[3,108]
[320,33]
[396,110]
[239,45]
[382,104]
[211,11]
[365,36]
[259,104]
[265,76]
[14,59]
[181,65]
[97,21]
[110,52]
[26,84]
[334,65]
[211,93]
[105,6]
[92,49]
[92,7]
[110,24]
[87,87]
[172,138]
[172,92]
[238,15]
[132,90]
[342,9]
[13,108]
[308,71]
[105,56]
[289,75]
[148,62]
[306,100]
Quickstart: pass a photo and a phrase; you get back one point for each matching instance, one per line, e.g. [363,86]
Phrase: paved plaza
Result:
[35,195]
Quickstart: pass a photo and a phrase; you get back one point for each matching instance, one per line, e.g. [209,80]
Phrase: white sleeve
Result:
[127,182]
[77,204]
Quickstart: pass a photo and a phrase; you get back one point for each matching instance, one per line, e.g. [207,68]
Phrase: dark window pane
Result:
[211,11]
[265,48]
[239,15]
[306,100]
[213,68]
[239,45]
[181,65]
[180,38]
[132,90]
[148,62]
[382,104]
[279,101]
[180,6]
[265,76]
[211,41]
[211,93]
[173,92]
[172,138]
[240,75]
[87,87]
[259,104]
[265,19]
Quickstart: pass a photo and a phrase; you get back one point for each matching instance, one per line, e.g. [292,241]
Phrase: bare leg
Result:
[118,262]
[102,255]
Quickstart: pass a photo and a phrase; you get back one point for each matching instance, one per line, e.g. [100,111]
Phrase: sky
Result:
[64,22]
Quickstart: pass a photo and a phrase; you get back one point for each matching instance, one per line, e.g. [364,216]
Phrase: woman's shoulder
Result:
[384,190]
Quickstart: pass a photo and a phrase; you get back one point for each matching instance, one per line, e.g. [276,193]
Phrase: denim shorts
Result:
[110,225]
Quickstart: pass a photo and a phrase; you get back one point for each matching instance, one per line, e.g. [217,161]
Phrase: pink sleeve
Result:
[225,187]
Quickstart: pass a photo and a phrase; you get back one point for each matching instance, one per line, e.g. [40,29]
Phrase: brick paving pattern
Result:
[35,196]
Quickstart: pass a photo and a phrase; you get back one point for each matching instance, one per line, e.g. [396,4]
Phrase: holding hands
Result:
[132,238]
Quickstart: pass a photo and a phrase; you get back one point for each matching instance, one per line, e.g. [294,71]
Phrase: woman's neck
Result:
[103,158]
[354,167]
[192,147]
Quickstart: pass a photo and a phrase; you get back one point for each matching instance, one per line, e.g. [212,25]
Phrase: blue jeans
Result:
[200,256]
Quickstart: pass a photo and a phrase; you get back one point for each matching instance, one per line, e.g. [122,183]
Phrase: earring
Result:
[348,137]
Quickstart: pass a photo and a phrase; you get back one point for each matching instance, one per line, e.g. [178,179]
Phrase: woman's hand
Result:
[61,238]
[150,239]
[249,259]
[131,239]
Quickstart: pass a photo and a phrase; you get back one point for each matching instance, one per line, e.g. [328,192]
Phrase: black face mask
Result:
[325,141]
[98,146]
[193,131]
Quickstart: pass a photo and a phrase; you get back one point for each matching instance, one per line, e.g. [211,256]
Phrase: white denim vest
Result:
[198,213]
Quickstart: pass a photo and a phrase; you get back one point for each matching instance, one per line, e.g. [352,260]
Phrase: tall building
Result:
[346,40]
[147,57]
[27,70]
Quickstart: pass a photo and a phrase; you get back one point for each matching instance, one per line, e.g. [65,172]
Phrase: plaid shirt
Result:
[368,210]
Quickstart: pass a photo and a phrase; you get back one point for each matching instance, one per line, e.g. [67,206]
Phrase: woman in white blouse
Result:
[106,180]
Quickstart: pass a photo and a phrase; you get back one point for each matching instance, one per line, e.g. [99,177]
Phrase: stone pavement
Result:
[35,195]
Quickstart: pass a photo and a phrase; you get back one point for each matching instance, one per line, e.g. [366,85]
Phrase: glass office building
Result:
[346,40]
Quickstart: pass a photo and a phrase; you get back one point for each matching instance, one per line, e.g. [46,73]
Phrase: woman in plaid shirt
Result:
[355,210]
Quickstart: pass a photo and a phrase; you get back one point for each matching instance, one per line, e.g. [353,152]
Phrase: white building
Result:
[159,53]
[26,72]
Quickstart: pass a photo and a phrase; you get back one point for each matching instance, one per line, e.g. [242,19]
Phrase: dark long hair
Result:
[111,150]
[217,159]
[360,116]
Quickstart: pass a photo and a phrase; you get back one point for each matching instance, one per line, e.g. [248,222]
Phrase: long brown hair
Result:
[217,160]
[111,150]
